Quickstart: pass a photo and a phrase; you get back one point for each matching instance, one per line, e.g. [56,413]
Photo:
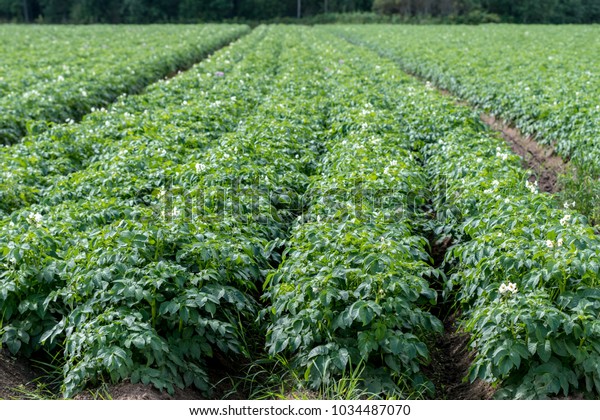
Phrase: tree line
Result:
[187,11]
[515,11]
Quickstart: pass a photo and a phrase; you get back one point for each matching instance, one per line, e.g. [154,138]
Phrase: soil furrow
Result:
[450,353]
[541,159]
[15,375]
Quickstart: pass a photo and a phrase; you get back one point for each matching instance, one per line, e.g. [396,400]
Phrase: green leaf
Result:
[532,346]
[543,350]
[340,360]
[505,366]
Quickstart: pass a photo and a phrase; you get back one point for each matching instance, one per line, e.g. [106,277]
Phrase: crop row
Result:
[523,268]
[51,74]
[192,110]
[140,264]
[149,287]
[144,256]
[299,168]
[524,271]
[353,287]
[548,86]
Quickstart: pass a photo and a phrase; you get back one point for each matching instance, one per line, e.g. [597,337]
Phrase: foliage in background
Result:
[447,11]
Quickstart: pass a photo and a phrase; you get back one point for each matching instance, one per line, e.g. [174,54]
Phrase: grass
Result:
[581,185]
[274,378]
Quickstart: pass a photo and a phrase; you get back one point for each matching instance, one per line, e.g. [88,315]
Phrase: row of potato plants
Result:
[525,271]
[95,200]
[352,292]
[540,78]
[36,169]
[149,286]
[136,242]
[523,268]
[55,74]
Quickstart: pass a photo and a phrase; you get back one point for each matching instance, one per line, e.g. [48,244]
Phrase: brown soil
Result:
[218,372]
[450,362]
[450,354]
[445,92]
[439,247]
[128,391]
[543,160]
[17,378]
[14,374]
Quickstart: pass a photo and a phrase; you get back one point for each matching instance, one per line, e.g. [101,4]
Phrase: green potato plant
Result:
[53,74]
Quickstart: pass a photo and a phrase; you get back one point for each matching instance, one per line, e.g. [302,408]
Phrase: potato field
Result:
[306,212]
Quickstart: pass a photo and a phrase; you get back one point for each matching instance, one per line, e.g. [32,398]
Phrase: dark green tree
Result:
[57,11]
[13,9]
[148,11]
[205,10]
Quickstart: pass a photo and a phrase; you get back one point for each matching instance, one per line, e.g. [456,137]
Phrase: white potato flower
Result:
[565,219]
[511,288]
[532,186]
[35,219]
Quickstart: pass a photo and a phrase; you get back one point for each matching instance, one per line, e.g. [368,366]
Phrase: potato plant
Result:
[353,286]
[549,87]
[281,196]
[149,286]
[523,267]
[53,74]
[192,109]
[541,79]
[542,337]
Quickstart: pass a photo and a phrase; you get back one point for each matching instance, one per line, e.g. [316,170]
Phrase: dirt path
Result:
[128,391]
[14,373]
[543,160]
[18,378]
[450,353]
[450,362]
